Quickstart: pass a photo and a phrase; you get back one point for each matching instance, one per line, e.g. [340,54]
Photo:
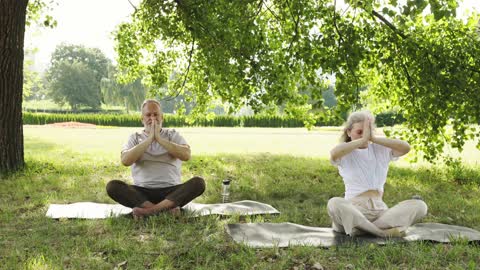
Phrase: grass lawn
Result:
[287,168]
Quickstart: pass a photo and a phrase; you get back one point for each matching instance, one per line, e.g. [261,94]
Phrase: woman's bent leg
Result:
[346,216]
[402,215]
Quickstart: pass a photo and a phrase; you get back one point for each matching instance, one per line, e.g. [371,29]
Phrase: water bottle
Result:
[417,197]
[226,191]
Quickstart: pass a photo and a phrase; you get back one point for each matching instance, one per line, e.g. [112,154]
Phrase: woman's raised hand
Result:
[367,129]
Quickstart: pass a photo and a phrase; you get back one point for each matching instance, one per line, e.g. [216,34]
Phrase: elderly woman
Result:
[362,160]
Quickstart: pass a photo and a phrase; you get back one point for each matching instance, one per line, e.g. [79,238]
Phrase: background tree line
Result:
[415,57]
[84,77]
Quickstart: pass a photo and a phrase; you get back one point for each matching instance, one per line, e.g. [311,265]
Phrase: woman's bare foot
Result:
[357,232]
[394,232]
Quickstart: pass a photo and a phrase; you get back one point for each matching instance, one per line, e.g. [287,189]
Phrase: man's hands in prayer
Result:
[157,128]
[181,152]
[153,130]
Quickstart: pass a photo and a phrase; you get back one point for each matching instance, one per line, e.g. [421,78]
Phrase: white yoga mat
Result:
[260,235]
[242,208]
[90,210]
[87,210]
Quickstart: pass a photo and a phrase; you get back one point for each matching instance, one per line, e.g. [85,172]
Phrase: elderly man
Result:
[156,156]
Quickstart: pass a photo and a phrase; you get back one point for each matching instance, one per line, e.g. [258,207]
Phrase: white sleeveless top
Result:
[364,169]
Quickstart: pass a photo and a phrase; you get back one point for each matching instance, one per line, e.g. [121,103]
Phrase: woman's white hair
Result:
[355,117]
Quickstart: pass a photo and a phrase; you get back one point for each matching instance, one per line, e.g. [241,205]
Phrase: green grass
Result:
[71,165]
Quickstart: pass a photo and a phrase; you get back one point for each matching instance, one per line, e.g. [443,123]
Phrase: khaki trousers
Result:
[354,215]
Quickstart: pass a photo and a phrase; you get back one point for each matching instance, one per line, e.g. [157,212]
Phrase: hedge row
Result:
[61,111]
[170,120]
[133,120]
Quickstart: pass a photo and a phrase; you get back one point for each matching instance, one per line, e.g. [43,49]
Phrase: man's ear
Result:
[349,133]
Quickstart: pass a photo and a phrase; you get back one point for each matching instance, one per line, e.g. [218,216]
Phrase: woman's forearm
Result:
[345,148]
[399,147]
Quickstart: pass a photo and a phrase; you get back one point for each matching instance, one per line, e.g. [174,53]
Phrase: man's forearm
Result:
[400,147]
[133,154]
[179,151]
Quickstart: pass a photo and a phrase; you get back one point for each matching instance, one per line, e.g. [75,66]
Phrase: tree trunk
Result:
[12,33]
[126,104]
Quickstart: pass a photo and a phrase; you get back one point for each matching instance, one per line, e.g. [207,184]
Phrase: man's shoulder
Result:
[173,135]
[133,139]
[136,133]
[170,132]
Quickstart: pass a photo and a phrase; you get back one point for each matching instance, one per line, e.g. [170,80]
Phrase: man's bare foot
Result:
[394,232]
[139,212]
[175,211]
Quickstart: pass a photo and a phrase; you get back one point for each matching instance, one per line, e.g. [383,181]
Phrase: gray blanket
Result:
[289,234]
[90,210]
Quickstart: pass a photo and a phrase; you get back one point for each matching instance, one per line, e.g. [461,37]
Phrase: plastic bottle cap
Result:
[226,182]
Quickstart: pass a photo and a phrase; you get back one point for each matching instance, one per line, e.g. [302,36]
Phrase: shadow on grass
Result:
[298,187]
[274,179]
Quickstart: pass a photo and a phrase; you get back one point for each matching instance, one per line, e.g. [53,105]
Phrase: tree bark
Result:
[12,34]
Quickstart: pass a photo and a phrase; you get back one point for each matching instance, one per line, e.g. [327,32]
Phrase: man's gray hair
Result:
[150,101]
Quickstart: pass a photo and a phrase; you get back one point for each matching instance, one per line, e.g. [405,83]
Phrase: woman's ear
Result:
[349,133]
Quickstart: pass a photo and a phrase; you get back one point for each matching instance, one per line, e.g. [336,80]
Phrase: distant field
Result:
[286,141]
[292,141]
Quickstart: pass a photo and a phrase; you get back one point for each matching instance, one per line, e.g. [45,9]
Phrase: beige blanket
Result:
[260,235]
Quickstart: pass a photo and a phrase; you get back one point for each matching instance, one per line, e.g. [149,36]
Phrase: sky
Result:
[86,22]
[91,22]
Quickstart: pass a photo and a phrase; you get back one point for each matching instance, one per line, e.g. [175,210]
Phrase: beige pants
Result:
[371,214]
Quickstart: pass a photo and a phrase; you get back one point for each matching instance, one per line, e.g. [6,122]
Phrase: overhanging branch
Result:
[134,7]
[389,24]
[186,73]
[342,40]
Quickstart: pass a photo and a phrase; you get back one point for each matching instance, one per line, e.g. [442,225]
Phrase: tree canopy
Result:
[416,57]
[129,95]
[75,75]
[32,80]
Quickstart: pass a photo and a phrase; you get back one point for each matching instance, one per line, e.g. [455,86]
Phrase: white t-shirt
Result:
[364,169]
[156,168]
